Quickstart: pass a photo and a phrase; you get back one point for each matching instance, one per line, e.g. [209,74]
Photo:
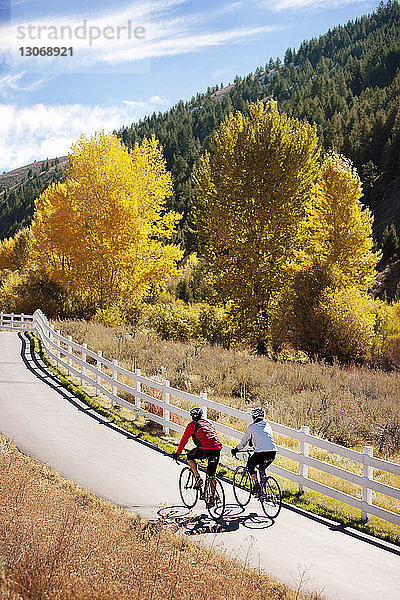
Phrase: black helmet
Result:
[258,413]
[196,413]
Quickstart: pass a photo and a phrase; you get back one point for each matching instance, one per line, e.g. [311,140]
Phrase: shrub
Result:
[332,321]
[387,324]
[389,358]
[215,325]
[25,292]
[173,321]
[134,314]
[348,322]
[109,316]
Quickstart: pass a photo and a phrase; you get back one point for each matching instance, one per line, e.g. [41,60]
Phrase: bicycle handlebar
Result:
[247,451]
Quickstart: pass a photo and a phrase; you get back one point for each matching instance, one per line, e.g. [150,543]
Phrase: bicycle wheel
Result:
[187,490]
[271,498]
[242,486]
[215,502]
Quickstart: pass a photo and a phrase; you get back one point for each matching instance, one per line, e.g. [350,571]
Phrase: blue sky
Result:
[133,58]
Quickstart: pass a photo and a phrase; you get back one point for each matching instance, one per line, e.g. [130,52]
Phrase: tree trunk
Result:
[261,347]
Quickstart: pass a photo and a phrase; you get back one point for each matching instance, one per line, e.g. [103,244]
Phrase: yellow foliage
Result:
[174,321]
[102,233]
[348,324]
[304,322]
[25,292]
[328,319]
[342,227]
[387,323]
[15,252]
[254,192]
[286,239]
[215,325]
[111,316]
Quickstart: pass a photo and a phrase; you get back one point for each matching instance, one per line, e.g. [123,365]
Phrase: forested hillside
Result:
[346,81]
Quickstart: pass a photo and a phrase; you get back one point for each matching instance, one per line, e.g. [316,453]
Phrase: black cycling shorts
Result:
[212,455]
[260,458]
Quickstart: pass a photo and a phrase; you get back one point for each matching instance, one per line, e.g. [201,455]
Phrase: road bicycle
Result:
[270,495]
[215,502]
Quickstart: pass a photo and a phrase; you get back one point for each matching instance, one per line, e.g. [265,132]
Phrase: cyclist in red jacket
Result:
[207,445]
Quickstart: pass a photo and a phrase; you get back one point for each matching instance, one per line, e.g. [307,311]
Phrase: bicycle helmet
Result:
[196,413]
[258,413]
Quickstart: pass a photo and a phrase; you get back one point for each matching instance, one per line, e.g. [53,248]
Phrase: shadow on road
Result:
[40,370]
[193,524]
[199,524]
[345,530]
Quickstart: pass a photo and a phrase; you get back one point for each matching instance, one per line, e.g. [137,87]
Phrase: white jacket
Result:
[260,436]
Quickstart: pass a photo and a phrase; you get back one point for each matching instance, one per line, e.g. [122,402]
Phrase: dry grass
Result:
[58,541]
[353,406]
[350,406]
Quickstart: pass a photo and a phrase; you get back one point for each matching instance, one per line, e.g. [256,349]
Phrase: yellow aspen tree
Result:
[103,233]
[255,191]
[333,315]
[343,226]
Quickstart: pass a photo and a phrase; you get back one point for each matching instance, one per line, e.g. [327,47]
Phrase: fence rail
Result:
[74,358]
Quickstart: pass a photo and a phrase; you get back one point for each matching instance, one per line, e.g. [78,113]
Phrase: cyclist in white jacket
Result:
[259,435]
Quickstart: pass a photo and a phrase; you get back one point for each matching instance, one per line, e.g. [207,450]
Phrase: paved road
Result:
[53,426]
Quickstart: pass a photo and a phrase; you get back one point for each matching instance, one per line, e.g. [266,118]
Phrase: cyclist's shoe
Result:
[211,502]
[256,490]
[198,484]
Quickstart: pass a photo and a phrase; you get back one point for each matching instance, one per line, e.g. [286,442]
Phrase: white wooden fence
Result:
[89,366]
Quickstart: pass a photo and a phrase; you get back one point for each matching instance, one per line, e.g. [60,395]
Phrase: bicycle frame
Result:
[260,469]
[211,492]
[270,496]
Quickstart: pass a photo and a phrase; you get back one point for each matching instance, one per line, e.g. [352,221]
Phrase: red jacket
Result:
[203,434]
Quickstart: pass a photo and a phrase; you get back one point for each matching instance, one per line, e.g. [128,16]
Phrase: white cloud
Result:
[159,100]
[183,43]
[280,5]
[166,33]
[155,102]
[10,82]
[13,82]
[42,131]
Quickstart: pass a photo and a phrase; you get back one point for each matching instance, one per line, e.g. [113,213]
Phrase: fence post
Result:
[203,396]
[22,322]
[138,387]
[166,412]
[304,453]
[99,354]
[69,352]
[368,473]
[114,387]
[83,356]
[58,346]
[1,320]
[249,417]
[12,321]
